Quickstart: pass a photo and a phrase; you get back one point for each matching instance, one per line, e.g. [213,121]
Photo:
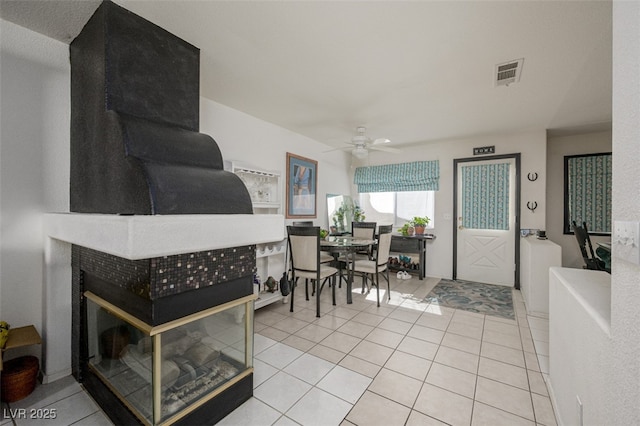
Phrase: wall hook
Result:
[532,205]
[532,177]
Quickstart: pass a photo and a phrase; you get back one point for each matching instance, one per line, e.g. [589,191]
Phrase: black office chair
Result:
[591,261]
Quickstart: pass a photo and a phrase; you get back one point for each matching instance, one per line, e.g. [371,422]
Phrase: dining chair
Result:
[365,231]
[324,257]
[303,223]
[591,261]
[379,264]
[304,249]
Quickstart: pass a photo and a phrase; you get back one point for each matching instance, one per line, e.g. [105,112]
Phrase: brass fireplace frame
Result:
[155,332]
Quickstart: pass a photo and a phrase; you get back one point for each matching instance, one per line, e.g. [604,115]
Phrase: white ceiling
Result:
[411,71]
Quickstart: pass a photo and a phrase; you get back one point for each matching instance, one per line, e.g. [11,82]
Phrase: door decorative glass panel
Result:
[485,197]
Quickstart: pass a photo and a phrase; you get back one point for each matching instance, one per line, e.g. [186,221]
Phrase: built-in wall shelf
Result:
[270,249]
[265,190]
[266,298]
[263,186]
[270,262]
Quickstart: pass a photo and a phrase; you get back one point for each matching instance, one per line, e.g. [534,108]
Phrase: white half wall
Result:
[579,344]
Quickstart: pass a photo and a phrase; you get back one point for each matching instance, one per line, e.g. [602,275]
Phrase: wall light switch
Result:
[626,241]
[446,216]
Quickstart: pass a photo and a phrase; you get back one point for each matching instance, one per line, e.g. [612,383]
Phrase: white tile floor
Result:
[405,363]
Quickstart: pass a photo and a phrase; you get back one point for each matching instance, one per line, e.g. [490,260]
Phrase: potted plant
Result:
[419,223]
[338,218]
[323,233]
[358,214]
[407,230]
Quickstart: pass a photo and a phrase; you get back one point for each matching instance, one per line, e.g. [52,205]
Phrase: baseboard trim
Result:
[50,378]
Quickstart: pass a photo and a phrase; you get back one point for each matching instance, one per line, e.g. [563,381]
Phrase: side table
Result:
[18,337]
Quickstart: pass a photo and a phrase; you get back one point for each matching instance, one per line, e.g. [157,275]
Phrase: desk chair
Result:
[304,249]
[591,261]
[378,264]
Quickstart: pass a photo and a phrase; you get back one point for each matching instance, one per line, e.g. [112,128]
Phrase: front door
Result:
[486,228]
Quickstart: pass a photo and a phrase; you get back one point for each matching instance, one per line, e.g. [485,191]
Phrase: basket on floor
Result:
[19,377]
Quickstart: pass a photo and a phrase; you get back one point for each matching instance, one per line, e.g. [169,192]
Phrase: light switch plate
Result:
[626,241]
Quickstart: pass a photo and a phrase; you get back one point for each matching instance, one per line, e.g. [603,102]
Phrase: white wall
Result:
[34,166]
[531,145]
[247,139]
[623,392]
[557,148]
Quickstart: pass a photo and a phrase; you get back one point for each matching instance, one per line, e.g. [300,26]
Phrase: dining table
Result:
[349,246]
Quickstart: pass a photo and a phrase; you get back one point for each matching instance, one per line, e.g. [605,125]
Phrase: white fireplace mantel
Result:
[146,236]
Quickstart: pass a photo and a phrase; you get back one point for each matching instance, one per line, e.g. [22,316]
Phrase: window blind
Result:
[589,191]
[414,176]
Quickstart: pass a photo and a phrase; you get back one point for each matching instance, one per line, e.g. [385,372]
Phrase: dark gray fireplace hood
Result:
[135,145]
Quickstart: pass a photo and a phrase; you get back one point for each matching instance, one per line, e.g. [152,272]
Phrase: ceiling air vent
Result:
[508,72]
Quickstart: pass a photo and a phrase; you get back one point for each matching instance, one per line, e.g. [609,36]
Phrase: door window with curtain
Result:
[587,192]
[485,200]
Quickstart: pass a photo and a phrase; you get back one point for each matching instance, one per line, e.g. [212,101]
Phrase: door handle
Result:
[461,227]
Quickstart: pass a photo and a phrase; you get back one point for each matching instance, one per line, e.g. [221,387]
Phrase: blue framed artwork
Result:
[302,180]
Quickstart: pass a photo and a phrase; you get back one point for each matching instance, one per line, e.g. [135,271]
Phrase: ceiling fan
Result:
[361,144]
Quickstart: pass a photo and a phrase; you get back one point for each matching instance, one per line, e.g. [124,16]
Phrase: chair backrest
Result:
[584,242]
[303,223]
[364,230]
[384,244]
[304,247]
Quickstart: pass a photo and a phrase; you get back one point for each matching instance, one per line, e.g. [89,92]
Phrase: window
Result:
[587,192]
[397,208]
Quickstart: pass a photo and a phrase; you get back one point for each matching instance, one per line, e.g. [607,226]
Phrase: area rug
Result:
[489,299]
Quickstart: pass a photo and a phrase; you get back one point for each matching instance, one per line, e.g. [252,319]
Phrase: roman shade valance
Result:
[415,176]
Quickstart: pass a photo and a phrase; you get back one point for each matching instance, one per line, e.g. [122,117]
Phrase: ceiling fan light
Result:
[360,152]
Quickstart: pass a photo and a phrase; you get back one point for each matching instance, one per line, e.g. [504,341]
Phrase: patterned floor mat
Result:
[489,299]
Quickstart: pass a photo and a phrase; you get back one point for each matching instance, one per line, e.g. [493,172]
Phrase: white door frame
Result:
[456,213]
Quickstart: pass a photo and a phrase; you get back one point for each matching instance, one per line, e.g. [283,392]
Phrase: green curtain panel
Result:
[485,196]
[415,176]
[589,191]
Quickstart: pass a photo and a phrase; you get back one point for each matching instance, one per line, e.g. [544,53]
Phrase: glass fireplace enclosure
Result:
[163,373]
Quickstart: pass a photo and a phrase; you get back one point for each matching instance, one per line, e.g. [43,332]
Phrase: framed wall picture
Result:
[302,181]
